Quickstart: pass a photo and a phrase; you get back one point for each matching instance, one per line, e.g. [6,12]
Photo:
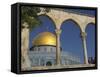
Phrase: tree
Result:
[29,16]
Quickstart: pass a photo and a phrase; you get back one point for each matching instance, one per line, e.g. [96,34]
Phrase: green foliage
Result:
[29,15]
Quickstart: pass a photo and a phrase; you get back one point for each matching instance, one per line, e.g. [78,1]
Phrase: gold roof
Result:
[45,38]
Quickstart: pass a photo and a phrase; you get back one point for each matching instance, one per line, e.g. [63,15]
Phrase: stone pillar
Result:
[83,36]
[58,54]
[25,62]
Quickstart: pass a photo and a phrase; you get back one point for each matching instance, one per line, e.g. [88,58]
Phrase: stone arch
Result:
[68,36]
[70,19]
[49,19]
[33,34]
[88,25]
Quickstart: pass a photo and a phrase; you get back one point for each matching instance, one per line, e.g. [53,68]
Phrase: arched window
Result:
[38,48]
[51,49]
[49,63]
[45,49]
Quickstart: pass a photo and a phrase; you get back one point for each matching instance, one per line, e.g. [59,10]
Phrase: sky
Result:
[70,37]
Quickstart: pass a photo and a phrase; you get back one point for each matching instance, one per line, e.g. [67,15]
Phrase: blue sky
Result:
[70,36]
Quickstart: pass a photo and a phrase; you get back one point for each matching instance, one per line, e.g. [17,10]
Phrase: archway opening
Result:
[47,24]
[90,40]
[71,39]
[49,63]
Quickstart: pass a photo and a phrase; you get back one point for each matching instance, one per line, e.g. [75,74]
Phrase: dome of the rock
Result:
[45,38]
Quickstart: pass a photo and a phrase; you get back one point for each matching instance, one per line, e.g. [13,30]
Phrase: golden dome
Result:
[45,38]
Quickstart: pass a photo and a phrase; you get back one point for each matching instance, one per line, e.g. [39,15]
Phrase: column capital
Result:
[58,31]
[83,34]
